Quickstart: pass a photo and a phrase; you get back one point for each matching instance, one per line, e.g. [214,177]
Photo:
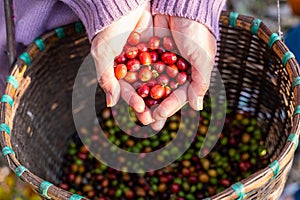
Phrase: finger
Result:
[131,97]
[171,104]
[145,117]
[158,125]
[199,48]
[110,86]
[106,46]
[199,84]
[161,26]
[145,24]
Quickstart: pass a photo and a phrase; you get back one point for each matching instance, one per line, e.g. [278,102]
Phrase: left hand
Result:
[198,46]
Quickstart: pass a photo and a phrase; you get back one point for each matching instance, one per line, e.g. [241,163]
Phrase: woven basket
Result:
[260,74]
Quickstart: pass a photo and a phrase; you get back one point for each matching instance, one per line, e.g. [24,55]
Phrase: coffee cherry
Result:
[181,78]
[133,65]
[131,52]
[154,43]
[172,71]
[168,43]
[143,90]
[134,38]
[154,56]
[163,79]
[142,47]
[152,82]
[225,182]
[121,59]
[157,91]
[159,66]
[175,188]
[145,74]
[169,58]
[151,102]
[131,77]
[120,71]
[182,64]
[145,58]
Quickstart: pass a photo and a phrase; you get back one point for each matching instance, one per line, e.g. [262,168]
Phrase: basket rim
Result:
[235,20]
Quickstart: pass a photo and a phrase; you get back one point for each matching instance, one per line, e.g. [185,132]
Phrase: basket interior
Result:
[253,76]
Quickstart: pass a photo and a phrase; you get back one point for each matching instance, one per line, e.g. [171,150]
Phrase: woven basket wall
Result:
[260,75]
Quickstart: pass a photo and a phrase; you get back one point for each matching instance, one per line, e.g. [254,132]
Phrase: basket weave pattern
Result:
[260,75]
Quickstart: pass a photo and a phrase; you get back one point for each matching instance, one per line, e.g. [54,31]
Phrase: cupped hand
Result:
[109,43]
[198,46]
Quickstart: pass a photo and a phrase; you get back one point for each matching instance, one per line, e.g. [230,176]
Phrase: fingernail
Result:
[199,103]
[109,100]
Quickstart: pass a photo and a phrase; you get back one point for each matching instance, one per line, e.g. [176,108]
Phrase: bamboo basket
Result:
[36,113]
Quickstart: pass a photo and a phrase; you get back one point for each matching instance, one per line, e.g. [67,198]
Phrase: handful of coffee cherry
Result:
[154,68]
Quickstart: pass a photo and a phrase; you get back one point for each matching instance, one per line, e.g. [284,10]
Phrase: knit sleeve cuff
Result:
[96,15]
[206,12]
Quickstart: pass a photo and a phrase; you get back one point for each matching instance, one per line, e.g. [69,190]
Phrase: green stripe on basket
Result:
[285,58]
[60,32]
[20,170]
[296,82]
[76,197]
[44,187]
[239,190]
[79,27]
[7,150]
[275,168]
[297,111]
[255,26]
[26,58]
[232,18]
[7,99]
[40,44]
[5,127]
[294,139]
[13,81]
[273,38]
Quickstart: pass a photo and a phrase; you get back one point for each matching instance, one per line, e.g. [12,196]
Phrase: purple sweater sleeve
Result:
[206,12]
[98,14]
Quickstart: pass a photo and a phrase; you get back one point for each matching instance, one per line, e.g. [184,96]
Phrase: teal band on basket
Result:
[79,27]
[7,99]
[232,18]
[7,150]
[76,197]
[255,26]
[26,58]
[60,32]
[296,82]
[40,44]
[294,138]
[287,55]
[273,38]
[297,110]
[20,170]
[275,168]
[44,187]
[5,127]
[13,81]
[239,190]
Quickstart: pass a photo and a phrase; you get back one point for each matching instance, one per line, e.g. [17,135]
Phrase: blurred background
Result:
[13,189]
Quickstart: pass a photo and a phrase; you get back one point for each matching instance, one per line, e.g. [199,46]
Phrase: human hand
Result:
[108,44]
[198,46]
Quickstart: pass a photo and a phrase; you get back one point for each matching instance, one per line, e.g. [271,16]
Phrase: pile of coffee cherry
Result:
[239,152]
[154,68]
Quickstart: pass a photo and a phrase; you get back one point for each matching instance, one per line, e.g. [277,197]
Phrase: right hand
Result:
[108,44]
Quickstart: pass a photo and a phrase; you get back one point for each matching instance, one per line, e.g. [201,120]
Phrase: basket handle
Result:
[10,31]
